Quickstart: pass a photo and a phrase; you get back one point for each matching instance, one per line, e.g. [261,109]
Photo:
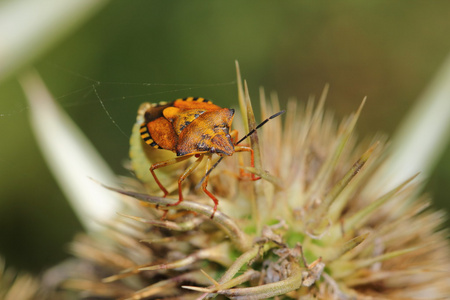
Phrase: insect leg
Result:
[234,135]
[163,164]
[205,183]
[183,176]
[252,161]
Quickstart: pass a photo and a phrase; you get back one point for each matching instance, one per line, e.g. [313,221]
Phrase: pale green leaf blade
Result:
[70,156]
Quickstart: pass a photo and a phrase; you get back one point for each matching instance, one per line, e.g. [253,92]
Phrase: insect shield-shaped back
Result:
[204,131]
[165,123]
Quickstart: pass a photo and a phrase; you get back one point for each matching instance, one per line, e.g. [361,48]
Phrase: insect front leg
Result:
[252,161]
[164,164]
[205,183]
[185,174]
[235,136]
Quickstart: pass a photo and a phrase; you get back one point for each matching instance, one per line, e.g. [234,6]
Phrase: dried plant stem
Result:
[182,226]
[239,238]
[293,282]
[242,260]
[248,275]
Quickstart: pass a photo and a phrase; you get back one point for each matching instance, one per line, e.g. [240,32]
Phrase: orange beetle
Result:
[191,127]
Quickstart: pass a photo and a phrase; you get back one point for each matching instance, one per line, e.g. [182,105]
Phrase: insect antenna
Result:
[259,126]
[238,142]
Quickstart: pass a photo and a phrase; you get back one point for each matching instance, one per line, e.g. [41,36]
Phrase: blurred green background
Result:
[160,50]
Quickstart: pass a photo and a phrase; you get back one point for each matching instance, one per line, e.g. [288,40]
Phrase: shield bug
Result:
[192,127]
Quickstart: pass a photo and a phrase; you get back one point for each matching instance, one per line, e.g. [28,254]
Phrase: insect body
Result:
[191,127]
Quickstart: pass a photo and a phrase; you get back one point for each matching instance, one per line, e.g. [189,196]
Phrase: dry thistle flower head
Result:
[312,228]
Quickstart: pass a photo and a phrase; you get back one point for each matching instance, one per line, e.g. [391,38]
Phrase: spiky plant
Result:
[15,285]
[316,226]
